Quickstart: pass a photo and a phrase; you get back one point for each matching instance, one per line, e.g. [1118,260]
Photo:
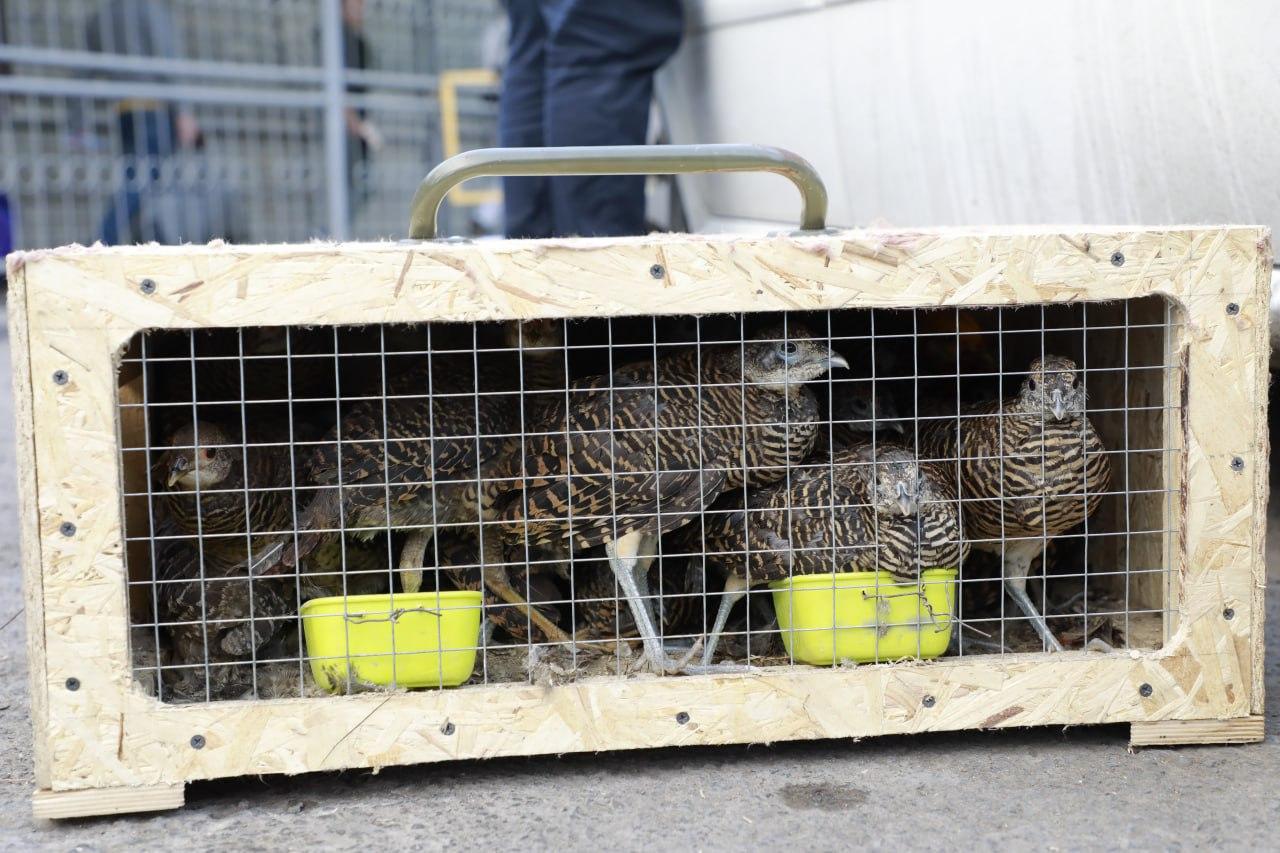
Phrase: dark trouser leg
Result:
[600,62]
[526,203]
[146,140]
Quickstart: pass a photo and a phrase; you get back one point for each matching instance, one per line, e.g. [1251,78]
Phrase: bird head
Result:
[199,455]
[535,334]
[897,487]
[861,414]
[1052,389]
[781,358]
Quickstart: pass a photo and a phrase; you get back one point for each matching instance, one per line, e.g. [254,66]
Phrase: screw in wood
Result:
[66,528]
[73,684]
[197,741]
[657,271]
[1145,690]
[682,718]
[1237,464]
[929,701]
[60,377]
[1229,613]
[147,286]
[1233,309]
[1117,259]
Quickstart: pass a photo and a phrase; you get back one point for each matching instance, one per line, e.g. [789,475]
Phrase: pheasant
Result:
[866,509]
[444,426]
[859,415]
[216,616]
[214,485]
[1030,467]
[643,451]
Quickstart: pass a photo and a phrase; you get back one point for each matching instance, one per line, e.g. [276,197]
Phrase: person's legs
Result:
[600,62]
[146,140]
[526,203]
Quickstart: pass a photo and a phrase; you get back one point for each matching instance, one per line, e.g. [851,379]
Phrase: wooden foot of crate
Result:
[105,801]
[1183,732]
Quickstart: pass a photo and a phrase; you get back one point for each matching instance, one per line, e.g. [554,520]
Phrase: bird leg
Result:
[412,557]
[499,583]
[1017,564]
[734,588]
[630,557]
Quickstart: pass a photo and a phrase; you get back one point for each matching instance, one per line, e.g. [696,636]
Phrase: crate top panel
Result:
[132,288]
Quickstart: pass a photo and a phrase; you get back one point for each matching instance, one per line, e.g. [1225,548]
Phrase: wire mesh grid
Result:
[316,510]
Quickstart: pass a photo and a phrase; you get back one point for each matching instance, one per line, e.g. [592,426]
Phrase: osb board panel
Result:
[33,597]
[85,303]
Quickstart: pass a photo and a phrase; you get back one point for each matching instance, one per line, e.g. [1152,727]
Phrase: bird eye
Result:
[790,348]
[207,453]
[1031,383]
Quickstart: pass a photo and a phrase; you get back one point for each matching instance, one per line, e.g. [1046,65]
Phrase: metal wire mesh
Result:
[552,487]
[89,91]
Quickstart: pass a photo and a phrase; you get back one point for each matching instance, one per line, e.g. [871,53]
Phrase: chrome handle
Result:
[616,160]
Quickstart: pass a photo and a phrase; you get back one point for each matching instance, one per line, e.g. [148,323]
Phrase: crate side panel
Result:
[84,585]
[28,528]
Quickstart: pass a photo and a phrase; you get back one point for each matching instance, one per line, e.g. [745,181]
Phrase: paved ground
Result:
[1047,789]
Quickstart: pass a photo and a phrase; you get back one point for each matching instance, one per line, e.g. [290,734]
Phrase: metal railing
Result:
[272,85]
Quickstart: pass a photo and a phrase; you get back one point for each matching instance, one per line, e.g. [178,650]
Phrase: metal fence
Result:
[96,96]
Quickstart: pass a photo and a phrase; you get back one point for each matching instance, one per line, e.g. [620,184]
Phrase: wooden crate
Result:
[106,746]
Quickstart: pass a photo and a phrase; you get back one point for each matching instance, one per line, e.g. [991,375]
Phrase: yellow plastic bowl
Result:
[865,616]
[434,637]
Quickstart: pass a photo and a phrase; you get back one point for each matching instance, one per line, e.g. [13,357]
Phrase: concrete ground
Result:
[1035,788]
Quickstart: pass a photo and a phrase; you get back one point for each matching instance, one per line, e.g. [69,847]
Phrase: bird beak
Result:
[177,470]
[896,426]
[835,359]
[1057,404]
[906,500]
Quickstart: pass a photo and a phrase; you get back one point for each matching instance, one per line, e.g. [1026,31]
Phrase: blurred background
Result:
[249,120]
[284,120]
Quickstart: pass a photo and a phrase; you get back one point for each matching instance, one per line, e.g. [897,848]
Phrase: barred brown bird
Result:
[416,459]
[1030,467]
[643,451]
[866,509]
[215,615]
[858,415]
[242,488]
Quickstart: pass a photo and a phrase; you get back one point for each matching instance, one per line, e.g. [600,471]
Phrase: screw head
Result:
[147,286]
[60,377]
[1237,464]
[197,741]
[66,528]
[928,701]
[682,718]
[73,684]
[1117,259]
[1145,690]
[448,728]
[1229,613]
[1233,309]
[657,271]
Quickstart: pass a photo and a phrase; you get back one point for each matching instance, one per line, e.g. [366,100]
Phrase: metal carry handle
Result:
[616,160]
